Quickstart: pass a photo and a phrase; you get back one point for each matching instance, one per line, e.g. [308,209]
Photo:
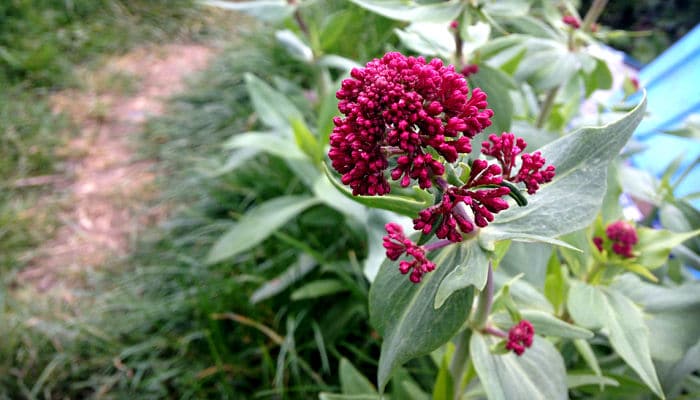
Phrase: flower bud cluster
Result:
[622,237]
[520,336]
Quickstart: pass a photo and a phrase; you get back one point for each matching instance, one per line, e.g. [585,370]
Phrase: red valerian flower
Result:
[396,244]
[401,106]
[505,148]
[520,336]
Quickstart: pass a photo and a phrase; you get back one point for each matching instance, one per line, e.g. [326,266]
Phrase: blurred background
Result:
[118,176]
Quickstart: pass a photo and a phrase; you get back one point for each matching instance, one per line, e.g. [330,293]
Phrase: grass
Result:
[171,326]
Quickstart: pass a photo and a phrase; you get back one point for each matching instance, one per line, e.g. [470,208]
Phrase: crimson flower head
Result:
[520,336]
[396,244]
[402,106]
[571,21]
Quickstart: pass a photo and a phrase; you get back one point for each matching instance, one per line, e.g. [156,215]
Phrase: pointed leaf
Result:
[471,270]
[411,11]
[539,374]
[655,245]
[548,325]
[319,288]
[274,109]
[403,205]
[265,10]
[603,307]
[352,381]
[403,313]
[278,284]
[572,200]
[257,224]
[577,380]
[268,142]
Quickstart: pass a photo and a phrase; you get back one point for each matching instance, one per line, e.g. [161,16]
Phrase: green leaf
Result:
[571,201]
[586,351]
[595,307]
[548,325]
[655,245]
[578,380]
[352,381]
[672,315]
[538,374]
[404,314]
[296,48]
[273,108]
[555,286]
[411,11]
[265,10]
[471,270]
[496,84]
[268,142]
[444,387]
[599,78]
[278,284]
[319,288]
[403,205]
[336,396]
[429,39]
[306,140]
[257,224]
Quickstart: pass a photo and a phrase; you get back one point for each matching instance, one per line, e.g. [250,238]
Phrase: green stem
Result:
[593,13]
[459,361]
[547,107]
[483,308]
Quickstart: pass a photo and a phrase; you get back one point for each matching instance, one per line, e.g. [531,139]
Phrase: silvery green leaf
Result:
[412,11]
[539,374]
[471,270]
[268,142]
[427,38]
[595,307]
[257,225]
[265,10]
[404,313]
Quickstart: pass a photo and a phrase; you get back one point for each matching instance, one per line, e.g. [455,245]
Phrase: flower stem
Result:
[459,361]
[593,13]
[493,331]
[483,308]
[547,107]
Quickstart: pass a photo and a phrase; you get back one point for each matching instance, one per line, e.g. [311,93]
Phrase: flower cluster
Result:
[403,106]
[520,336]
[623,237]
[416,116]
[396,244]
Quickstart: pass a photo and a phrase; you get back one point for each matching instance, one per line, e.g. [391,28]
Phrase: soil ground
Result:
[107,191]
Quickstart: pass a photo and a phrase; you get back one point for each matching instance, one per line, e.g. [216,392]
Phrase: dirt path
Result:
[106,188]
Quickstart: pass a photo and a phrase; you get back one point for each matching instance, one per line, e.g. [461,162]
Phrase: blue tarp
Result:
[672,82]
